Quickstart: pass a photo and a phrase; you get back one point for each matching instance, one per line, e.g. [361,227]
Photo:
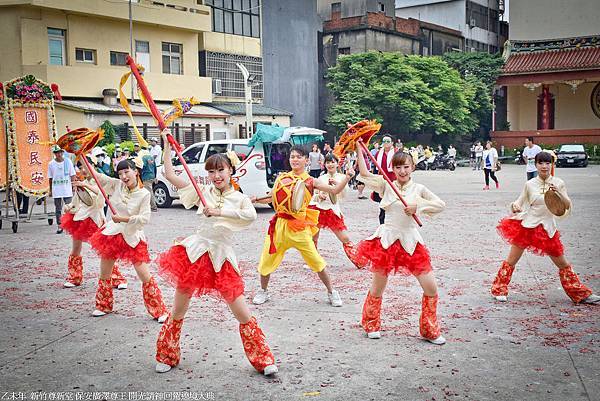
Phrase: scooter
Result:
[519,156]
[421,163]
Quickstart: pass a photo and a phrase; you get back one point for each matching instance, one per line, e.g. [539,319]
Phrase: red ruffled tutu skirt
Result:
[328,219]
[535,240]
[115,247]
[199,278]
[394,259]
[80,230]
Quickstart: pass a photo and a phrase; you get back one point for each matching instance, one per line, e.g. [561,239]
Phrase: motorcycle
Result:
[444,162]
[421,163]
[519,156]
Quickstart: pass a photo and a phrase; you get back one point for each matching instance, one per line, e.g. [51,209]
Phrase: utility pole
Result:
[248,99]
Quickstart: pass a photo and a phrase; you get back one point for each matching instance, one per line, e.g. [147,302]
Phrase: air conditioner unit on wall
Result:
[217,86]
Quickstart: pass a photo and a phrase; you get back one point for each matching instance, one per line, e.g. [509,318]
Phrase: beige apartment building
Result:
[187,48]
[552,72]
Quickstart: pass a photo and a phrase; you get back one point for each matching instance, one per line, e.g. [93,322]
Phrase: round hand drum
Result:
[555,202]
[85,196]
[288,194]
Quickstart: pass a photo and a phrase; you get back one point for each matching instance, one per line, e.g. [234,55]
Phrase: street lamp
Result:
[248,83]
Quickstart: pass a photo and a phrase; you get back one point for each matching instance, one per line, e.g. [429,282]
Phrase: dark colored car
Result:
[571,155]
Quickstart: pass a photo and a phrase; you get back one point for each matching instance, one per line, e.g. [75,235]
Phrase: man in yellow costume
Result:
[294,225]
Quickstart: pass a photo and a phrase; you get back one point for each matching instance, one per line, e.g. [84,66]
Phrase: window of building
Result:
[344,50]
[222,67]
[142,54]
[85,55]
[118,58]
[336,7]
[56,46]
[172,55]
[238,17]
[481,17]
[380,7]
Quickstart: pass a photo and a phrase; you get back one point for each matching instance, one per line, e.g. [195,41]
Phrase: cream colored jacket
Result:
[398,225]
[534,210]
[134,204]
[214,234]
[326,204]
[81,211]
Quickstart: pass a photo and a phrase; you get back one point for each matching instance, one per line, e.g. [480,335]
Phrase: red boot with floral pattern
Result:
[255,345]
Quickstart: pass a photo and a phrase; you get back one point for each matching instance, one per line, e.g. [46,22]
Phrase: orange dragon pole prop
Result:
[161,124]
[80,141]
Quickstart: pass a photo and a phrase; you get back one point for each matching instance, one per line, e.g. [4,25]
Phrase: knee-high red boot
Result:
[104,296]
[500,285]
[167,345]
[118,280]
[428,324]
[153,299]
[75,266]
[371,314]
[572,286]
[255,345]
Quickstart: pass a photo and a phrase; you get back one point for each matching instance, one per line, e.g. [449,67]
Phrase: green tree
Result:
[480,70]
[109,133]
[408,94]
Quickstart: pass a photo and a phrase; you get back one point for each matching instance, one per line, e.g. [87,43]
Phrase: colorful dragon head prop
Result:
[80,141]
[362,130]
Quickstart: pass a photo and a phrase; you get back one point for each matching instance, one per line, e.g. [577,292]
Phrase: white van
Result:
[256,173]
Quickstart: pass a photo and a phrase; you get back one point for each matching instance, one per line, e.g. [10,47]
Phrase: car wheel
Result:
[161,194]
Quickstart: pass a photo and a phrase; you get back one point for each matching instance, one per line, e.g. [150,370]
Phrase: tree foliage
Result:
[408,94]
[109,133]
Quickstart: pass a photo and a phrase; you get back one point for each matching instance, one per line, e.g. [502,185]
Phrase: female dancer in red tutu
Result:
[533,227]
[205,263]
[330,213]
[123,238]
[397,245]
[81,221]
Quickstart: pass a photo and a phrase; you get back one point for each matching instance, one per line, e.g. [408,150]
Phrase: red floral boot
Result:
[118,280]
[104,297]
[500,285]
[350,251]
[75,266]
[255,345]
[572,286]
[167,345]
[371,315]
[428,324]
[153,300]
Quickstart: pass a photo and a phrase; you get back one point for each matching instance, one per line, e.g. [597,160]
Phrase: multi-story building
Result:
[357,26]
[552,76]
[187,48]
[478,20]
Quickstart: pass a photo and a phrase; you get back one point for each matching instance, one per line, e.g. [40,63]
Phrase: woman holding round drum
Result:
[328,206]
[532,226]
[294,224]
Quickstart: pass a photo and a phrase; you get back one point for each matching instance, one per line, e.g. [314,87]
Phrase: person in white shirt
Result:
[478,155]
[205,262]
[489,161]
[533,227]
[123,238]
[155,151]
[82,218]
[529,153]
[451,151]
[60,174]
[397,245]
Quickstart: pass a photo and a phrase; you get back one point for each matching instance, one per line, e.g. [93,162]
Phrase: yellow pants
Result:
[284,240]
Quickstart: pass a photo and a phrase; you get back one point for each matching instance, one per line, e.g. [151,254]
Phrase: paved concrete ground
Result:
[537,346]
